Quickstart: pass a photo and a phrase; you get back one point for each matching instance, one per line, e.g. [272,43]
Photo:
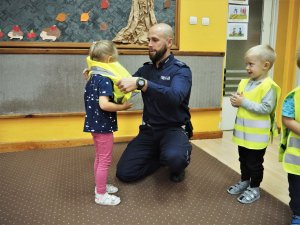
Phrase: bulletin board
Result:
[105,19]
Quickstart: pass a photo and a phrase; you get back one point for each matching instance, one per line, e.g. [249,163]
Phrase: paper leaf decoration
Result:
[85,17]
[103,26]
[104,4]
[167,4]
[61,17]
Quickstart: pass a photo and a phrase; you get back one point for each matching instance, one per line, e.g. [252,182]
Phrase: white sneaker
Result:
[110,189]
[107,199]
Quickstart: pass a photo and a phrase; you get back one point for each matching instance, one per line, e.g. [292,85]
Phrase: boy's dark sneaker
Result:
[177,177]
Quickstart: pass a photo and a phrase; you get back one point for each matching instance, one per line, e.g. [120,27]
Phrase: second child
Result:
[289,151]
[256,98]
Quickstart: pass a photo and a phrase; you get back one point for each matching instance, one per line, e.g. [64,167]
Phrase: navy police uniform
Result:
[162,138]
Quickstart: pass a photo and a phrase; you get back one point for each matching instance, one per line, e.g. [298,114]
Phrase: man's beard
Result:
[158,55]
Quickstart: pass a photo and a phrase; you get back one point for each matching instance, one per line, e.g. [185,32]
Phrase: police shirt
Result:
[167,96]
[97,120]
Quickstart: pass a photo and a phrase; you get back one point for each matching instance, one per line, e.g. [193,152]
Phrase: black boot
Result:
[177,177]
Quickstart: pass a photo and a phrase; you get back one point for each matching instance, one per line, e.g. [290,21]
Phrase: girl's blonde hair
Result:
[263,52]
[101,50]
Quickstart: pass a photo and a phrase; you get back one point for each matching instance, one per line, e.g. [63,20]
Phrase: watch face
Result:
[141,82]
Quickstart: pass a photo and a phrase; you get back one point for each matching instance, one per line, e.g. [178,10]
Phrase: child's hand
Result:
[127,105]
[85,73]
[237,99]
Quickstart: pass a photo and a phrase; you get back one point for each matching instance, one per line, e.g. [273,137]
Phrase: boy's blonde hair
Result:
[263,52]
[101,50]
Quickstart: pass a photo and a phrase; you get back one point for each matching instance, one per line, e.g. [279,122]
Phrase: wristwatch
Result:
[140,83]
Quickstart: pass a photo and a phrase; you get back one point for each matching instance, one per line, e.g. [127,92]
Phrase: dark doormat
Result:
[57,187]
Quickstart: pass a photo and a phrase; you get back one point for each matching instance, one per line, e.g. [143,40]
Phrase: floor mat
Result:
[56,186]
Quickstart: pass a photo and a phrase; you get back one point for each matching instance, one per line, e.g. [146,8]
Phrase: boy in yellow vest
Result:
[289,151]
[255,125]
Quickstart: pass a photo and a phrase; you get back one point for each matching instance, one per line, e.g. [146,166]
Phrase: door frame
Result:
[268,36]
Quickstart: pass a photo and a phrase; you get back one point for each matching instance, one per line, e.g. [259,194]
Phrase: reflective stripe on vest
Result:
[294,143]
[292,159]
[260,138]
[253,123]
[99,70]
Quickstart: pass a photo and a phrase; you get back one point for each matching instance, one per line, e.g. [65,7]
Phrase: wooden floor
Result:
[275,178]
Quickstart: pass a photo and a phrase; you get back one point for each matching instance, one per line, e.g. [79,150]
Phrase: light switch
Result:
[193,20]
[205,21]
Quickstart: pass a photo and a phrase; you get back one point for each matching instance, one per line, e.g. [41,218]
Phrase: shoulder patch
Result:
[181,64]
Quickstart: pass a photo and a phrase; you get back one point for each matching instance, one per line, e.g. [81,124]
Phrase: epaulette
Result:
[148,63]
[180,64]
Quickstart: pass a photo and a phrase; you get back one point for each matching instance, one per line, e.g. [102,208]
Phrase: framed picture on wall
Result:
[241,2]
[238,13]
[237,31]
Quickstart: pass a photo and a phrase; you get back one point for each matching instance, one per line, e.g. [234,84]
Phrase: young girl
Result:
[101,118]
[255,125]
[289,151]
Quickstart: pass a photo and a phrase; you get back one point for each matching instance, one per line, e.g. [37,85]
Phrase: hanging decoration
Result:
[103,26]
[61,17]
[85,16]
[50,33]
[15,33]
[167,4]
[1,34]
[31,34]
[104,4]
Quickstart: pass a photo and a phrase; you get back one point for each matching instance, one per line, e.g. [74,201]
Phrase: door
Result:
[235,65]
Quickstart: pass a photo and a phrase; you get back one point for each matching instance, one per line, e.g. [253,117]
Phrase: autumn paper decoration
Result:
[15,33]
[50,33]
[104,4]
[85,17]
[167,4]
[31,34]
[61,17]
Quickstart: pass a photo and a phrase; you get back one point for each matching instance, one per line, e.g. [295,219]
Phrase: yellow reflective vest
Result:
[114,71]
[252,130]
[289,150]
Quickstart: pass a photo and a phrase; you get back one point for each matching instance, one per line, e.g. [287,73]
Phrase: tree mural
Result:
[141,18]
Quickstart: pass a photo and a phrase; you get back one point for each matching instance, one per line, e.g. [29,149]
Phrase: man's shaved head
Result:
[163,29]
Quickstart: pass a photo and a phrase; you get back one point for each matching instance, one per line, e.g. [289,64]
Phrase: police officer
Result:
[163,138]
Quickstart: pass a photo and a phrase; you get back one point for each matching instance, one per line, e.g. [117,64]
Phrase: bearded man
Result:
[163,138]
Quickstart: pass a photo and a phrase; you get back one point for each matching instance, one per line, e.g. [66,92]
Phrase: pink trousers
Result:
[103,157]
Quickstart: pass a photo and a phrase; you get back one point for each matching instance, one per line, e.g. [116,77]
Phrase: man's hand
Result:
[127,84]
[85,73]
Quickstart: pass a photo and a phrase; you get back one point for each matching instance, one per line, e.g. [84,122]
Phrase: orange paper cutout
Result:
[61,17]
[85,17]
